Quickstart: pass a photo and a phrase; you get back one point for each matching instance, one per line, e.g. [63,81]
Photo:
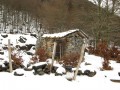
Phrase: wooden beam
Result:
[53,55]
[60,50]
[80,60]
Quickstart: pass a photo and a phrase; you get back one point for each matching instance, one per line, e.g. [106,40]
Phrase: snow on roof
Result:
[59,35]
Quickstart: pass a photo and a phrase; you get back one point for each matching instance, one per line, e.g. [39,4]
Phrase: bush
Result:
[42,54]
[106,66]
[16,60]
[118,58]
[70,59]
[34,59]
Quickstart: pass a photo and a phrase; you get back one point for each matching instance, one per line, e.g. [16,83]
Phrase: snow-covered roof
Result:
[59,35]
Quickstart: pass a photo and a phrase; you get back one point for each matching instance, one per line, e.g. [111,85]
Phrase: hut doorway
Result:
[59,49]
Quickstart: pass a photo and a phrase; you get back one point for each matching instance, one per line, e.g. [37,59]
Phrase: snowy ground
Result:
[29,81]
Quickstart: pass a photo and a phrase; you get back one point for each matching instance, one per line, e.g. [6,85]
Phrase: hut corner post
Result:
[53,55]
[80,60]
[9,53]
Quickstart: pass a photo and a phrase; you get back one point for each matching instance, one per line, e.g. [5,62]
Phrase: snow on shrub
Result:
[33,59]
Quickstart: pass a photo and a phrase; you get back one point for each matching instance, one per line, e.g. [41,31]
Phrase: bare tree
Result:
[115,6]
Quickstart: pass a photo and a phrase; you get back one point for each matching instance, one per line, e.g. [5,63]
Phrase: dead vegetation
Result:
[108,53]
[70,59]
[42,54]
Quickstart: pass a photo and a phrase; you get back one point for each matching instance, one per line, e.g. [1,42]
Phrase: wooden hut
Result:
[66,42]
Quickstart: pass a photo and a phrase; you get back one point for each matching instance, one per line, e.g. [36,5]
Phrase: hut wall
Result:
[47,44]
[69,44]
[74,44]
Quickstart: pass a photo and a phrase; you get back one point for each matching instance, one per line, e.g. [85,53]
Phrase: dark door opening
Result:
[59,49]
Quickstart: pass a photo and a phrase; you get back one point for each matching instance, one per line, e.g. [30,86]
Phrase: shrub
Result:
[33,60]
[106,56]
[16,60]
[70,59]
[118,58]
[106,65]
[103,51]
[42,54]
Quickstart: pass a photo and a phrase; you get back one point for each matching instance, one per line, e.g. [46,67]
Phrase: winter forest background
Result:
[97,18]
[23,19]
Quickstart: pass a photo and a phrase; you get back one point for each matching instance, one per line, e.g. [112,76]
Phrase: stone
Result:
[18,74]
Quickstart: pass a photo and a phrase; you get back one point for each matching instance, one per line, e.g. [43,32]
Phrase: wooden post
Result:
[53,55]
[80,60]
[60,50]
[9,53]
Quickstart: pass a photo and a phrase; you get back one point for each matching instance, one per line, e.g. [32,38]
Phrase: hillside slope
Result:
[59,15]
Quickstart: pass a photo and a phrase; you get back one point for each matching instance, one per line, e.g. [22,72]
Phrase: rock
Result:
[87,63]
[28,69]
[29,46]
[5,69]
[105,76]
[91,74]
[54,68]
[2,53]
[119,73]
[58,74]
[22,48]
[0,68]
[39,72]
[79,72]
[4,36]
[5,48]
[34,35]
[47,70]
[115,80]
[6,66]
[43,66]
[69,76]
[1,58]
[29,53]
[6,63]
[22,39]
[18,74]
[68,68]
[60,70]
[34,73]
[14,66]
[39,69]
[86,72]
